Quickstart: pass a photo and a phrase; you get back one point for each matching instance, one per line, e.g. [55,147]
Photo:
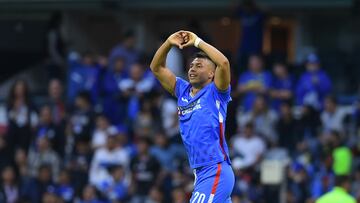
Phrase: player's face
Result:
[201,71]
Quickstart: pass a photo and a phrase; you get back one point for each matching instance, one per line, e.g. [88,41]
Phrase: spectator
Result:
[323,180]
[178,195]
[144,124]
[309,121]
[6,151]
[288,128]
[135,87]
[355,117]
[125,50]
[252,27]
[264,119]
[282,85]
[169,155]
[155,196]
[41,154]
[145,169]
[333,117]
[123,135]
[82,120]
[180,178]
[248,148]
[79,165]
[22,117]
[48,129]
[56,102]
[89,195]
[36,187]
[113,104]
[100,132]
[116,188]
[9,186]
[111,154]
[21,164]
[313,85]
[253,82]
[64,189]
[83,76]
[50,197]
[169,117]
[339,193]
[297,182]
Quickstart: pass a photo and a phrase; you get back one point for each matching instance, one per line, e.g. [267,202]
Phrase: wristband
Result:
[197,42]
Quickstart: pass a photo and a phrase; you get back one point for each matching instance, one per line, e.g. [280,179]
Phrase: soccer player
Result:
[202,104]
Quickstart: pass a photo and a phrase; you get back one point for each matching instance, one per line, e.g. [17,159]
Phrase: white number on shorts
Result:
[201,197]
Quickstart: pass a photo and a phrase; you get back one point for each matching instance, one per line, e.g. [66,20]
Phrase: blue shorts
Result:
[213,184]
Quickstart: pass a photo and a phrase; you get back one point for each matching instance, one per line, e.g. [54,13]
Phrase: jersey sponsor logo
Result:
[183,110]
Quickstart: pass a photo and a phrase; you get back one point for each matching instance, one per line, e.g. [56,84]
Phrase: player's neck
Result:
[194,91]
[197,87]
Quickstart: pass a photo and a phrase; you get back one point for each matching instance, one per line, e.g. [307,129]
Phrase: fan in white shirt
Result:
[247,148]
[111,154]
[332,118]
[100,133]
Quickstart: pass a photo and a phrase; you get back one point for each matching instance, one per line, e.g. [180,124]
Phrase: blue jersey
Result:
[202,123]
[262,79]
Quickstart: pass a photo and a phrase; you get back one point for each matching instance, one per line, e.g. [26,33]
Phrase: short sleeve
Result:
[180,86]
[223,95]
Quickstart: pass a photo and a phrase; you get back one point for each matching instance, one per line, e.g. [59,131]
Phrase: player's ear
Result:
[211,74]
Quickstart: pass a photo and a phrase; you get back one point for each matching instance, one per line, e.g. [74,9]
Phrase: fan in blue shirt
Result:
[282,86]
[202,105]
[253,82]
[313,85]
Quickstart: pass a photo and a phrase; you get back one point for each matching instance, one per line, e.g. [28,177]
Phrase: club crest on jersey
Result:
[183,110]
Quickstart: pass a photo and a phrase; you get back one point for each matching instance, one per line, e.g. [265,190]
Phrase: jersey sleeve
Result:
[180,86]
[223,95]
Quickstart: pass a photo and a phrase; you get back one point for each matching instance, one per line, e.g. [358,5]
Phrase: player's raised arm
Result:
[222,72]
[163,74]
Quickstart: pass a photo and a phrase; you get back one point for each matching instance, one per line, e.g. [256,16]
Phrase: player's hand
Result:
[189,38]
[176,39]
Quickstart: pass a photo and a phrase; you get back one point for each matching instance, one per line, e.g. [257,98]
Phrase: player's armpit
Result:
[167,79]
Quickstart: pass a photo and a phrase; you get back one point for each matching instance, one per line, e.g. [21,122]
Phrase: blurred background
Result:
[82,119]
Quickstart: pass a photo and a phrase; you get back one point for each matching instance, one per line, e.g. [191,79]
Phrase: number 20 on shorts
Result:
[200,197]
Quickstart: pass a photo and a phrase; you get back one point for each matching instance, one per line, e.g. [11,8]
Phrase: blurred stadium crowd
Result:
[109,133]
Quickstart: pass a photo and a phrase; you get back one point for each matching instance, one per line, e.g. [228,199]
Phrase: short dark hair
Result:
[281,63]
[331,98]
[287,102]
[203,55]
[249,125]
[144,139]
[85,95]
[112,167]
